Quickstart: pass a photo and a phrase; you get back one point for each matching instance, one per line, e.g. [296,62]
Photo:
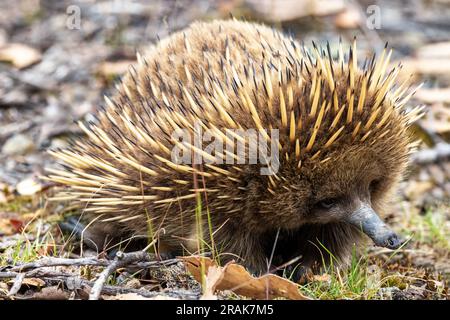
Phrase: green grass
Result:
[353,282]
[26,251]
[429,228]
[437,231]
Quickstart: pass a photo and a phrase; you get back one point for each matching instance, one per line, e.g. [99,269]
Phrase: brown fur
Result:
[245,214]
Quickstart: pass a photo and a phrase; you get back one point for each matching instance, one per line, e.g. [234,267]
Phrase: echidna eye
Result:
[326,203]
[374,184]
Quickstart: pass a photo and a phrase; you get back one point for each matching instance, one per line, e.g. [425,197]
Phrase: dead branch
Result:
[73,282]
[38,269]
[121,260]
[54,262]
[17,284]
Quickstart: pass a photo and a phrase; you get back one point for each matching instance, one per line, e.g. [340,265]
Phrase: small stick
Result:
[53,262]
[17,284]
[7,275]
[56,278]
[121,260]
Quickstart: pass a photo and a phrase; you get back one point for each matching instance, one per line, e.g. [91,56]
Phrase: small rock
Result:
[28,187]
[18,144]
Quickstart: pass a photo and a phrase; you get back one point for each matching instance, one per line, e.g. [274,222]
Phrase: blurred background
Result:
[58,59]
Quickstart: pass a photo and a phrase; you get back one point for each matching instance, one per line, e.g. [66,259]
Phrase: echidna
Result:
[343,146]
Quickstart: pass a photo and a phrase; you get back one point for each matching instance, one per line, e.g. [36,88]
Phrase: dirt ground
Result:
[56,66]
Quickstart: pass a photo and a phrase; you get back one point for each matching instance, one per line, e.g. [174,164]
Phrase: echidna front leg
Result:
[93,237]
[316,245]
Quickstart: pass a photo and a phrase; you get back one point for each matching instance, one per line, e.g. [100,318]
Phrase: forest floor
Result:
[54,71]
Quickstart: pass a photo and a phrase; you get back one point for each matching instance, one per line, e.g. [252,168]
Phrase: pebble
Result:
[18,144]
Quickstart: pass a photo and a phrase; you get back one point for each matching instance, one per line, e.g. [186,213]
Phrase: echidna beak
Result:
[371,224]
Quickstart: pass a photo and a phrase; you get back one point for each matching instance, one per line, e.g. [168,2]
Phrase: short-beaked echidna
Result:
[343,145]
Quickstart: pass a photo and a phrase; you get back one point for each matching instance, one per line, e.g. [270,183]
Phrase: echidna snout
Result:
[343,147]
[361,215]
[370,223]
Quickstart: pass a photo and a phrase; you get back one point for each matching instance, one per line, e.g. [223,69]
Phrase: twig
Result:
[17,284]
[68,279]
[121,260]
[53,262]
[7,275]
[115,290]
[139,259]
[73,281]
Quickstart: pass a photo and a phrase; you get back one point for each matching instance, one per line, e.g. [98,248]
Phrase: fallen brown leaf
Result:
[20,55]
[214,276]
[17,224]
[234,277]
[32,282]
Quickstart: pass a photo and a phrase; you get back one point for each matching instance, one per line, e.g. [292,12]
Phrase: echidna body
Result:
[343,146]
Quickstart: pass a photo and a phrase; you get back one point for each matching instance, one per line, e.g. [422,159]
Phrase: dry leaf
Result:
[10,223]
[32,282]
[214,276]
[238,280]
[17,224]
[28,187]
[20,55]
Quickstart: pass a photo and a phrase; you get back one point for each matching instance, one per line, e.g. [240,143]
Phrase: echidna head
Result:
[344,151]
[352,189]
